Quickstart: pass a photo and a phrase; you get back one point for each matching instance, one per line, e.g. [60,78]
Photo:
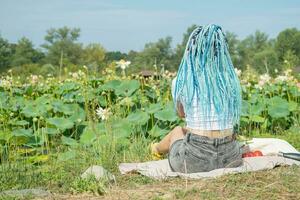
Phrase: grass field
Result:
[51,131]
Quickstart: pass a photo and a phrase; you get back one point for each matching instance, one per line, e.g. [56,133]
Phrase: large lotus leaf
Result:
[278,107]
[61,123]
[273,88]
[167,114]
[45,99]
[149,92]
[121,128]
[69,155]
[295,91]
[17,91]
[153,108]
[21,132]
[69,109]
[78,115]
[19,122]
[68,141]
[127,88]
[70,97]
[138,118]
[3,96]
[78,97]
[245,108]
[245,119]
[66,87]
[3,100]
[102,101]
[57,105]
[49,131]
[35,141]
[110,85]
[257,108]
[293,106]
[34,110]
[88,136]
[21,136]
[17,103]
[90,94]
[254,98]
[30,111]
[257,118]
[157,132]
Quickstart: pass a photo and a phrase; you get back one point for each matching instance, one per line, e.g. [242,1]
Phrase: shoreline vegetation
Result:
[105,108]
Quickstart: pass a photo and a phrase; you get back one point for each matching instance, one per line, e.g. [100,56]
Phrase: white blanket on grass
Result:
[269,147]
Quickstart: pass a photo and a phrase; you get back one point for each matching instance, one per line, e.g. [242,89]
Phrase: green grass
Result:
[63,177]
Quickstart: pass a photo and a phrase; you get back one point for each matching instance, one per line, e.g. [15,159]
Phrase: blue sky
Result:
[124,25]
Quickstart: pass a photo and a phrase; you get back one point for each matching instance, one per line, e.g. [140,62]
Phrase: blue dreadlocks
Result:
[207,74]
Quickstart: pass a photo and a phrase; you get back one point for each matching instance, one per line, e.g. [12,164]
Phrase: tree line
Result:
[62,49]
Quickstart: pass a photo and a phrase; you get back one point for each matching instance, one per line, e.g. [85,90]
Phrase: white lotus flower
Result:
[263,79]
[5,83]
[75,75]
[34,79]
[281,78]
[287,72]
[103,114]
[123,64]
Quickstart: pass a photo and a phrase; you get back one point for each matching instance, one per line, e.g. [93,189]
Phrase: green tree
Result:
[250,46]
[115,55]
[94,55]
[155,54]
[62,46]
[288,39]
[265,61]
[6,53]
[233,43]
[290,59]
[25,53]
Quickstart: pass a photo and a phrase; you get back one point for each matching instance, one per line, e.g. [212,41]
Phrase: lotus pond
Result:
[110,117]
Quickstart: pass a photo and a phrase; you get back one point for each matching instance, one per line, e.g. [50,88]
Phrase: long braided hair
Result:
[206,73]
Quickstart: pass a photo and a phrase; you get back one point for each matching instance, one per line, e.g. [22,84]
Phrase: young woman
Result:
[206,92]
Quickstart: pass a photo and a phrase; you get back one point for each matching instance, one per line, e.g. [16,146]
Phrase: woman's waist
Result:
[210,133]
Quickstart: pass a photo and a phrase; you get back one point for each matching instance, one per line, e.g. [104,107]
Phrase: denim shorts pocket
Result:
[232,158]
[196,162]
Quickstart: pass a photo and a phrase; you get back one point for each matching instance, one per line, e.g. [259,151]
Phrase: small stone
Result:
[99,172]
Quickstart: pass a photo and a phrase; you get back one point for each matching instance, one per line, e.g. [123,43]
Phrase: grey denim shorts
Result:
[197,153]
